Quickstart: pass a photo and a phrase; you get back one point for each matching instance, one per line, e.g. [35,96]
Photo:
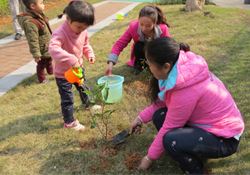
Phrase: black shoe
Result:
[18,36]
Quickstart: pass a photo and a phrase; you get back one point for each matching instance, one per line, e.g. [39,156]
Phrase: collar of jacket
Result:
[168,83]
[157,32]
[39,16]
[69,31]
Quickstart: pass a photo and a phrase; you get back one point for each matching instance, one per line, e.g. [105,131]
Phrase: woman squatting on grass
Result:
[195,115]
[68,45]
[151,24]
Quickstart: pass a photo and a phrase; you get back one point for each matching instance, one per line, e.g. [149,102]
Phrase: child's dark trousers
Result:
[190,146]
[44,63]
[67,99]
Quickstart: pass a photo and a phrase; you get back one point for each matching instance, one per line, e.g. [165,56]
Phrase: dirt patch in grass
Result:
[138,87]
[88,145]
[106,148]
[102,164]
[102,161]
[132,161]
[108,151]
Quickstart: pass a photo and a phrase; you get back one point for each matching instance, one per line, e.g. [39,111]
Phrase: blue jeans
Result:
[190,146]
[67,99]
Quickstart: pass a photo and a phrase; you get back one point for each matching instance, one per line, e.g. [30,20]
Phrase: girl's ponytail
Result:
[161,19]
[185,47]
[64,10]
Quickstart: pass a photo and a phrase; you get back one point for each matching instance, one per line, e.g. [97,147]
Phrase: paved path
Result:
[16,62]
[232,3]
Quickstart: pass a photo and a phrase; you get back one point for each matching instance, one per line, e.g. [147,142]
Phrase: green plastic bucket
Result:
[113,87]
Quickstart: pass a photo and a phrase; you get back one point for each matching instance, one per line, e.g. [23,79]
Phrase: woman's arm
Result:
[147,113]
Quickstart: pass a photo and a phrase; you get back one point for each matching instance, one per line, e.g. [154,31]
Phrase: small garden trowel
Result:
[121,136]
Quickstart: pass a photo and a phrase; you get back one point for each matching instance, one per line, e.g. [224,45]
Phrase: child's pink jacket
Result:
[134,32]
[198,99]
[67,47]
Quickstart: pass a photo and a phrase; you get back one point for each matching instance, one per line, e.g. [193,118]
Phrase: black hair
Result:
[27,3]
[154,13]
[161,51]
[79,11]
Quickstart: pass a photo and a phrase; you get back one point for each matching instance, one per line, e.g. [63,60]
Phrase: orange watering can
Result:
[74,75]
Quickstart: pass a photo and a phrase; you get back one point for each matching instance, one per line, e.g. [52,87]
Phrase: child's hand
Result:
[109,69]
[76,64]
[37,59]
[146,162]
[137,122]
[92,60]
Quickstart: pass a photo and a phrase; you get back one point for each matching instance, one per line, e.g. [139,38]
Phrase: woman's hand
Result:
[137,122]
[109,68]
[146,162]
[92,60]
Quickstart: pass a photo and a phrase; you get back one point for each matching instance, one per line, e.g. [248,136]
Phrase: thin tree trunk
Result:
[193,5]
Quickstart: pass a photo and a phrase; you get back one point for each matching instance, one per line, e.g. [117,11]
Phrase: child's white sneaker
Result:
[76,125]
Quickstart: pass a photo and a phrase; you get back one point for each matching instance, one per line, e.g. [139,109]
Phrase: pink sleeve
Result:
[58,54]
[87,49]
[180,109]
[122,42]
[147,114]
[165,30]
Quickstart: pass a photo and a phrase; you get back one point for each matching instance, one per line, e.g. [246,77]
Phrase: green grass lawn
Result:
[32,138]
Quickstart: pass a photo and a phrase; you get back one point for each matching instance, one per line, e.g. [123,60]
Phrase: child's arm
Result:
[58,53]
[32,35]
[88,50]
[119,45]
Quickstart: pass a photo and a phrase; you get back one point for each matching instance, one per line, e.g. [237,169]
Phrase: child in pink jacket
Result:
[67,47]
[195,115]
[151,24]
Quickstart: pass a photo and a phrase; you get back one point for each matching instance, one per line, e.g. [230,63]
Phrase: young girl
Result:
[151,24]
[195,115]
[68,45]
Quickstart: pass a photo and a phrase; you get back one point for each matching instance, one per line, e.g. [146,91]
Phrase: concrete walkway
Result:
[17,64]
[232,4]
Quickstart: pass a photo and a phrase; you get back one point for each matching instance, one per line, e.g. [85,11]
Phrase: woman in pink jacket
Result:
[195,115]
[151,24]
[68,45]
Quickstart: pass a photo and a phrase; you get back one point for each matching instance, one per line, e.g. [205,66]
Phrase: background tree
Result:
[193,5]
